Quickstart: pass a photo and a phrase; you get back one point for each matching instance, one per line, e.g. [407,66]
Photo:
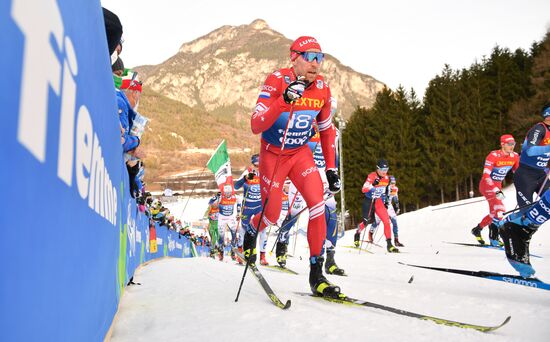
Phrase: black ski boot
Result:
[356,238]
[476,231]
[516,245]
[280,253]
[220,252]
[320,286]
[330,266]
[397,243]
[249,247]
[516,241]
[391,248]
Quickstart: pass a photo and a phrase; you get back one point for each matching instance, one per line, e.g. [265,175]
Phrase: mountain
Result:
[223,70]
[208,89]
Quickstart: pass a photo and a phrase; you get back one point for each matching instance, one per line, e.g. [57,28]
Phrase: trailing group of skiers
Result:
[296,171]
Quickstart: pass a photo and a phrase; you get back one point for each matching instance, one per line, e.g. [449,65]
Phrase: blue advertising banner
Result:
[71,234]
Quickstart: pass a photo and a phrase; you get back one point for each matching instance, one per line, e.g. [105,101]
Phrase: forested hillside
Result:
[436,145]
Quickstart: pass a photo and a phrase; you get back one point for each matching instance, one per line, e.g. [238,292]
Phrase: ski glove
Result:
[499,195]
[250,176]
[294,91]
[333,180]
[376,181]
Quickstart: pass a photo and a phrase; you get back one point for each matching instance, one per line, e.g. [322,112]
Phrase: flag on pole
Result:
[220,166]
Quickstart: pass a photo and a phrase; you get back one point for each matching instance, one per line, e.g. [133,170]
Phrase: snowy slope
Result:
[193,299]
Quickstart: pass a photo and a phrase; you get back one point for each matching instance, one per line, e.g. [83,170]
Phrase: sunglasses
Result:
[384,169]
[510,144]
[310,56]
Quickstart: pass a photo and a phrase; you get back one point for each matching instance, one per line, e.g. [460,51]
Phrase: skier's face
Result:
[508,147]
[382,172]
[309,70]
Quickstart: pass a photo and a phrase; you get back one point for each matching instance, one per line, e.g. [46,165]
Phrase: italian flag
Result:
[220,166]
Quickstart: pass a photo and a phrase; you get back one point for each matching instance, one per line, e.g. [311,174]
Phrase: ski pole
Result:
[543,184]
[458,205]
[191,194]
[520,208]
[291,112]
[285,225]
[366,225]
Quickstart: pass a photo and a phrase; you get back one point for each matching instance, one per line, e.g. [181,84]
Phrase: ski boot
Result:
[391,248]
[239,260]
[213,252]
[397,243]
[516,245]
[320,286]
[280,253]
[330,266]
[370,237]
[356,238]
[493,236]
[476,231]
[220,253]
[233,256]
[262,259]
[249,247]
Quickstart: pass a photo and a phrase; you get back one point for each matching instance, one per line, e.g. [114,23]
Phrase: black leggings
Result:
[528,181]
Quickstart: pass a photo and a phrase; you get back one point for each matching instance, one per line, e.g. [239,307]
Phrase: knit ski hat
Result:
[506,138]
[303,44]
[545,111]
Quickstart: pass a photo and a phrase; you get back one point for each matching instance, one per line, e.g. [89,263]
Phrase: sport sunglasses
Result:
[310,56]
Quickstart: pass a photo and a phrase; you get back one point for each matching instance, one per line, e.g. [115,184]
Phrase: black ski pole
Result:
[366,223]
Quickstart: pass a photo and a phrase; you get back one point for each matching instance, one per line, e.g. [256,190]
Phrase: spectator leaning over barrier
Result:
[127,101]
[118,68]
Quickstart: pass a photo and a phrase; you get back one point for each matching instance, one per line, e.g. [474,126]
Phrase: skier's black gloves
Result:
[294,91]
[250,176]
[333,180]
[376,181]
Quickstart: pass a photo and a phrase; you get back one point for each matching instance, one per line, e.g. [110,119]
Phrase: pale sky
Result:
[398,42]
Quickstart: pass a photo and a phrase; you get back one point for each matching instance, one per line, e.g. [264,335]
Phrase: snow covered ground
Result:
[193,299]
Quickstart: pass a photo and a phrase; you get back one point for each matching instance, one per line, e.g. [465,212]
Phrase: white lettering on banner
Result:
[42,70]
[38,20]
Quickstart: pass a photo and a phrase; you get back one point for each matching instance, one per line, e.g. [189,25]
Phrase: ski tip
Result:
[288,302]
[506,320]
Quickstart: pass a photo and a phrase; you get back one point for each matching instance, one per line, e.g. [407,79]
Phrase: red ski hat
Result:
[303,44]
[506,138]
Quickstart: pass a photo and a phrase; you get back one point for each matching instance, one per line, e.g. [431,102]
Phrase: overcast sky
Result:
[398,42]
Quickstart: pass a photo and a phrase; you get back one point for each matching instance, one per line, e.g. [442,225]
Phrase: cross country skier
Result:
[289,102]
[531,175]
[391,202]
[373,204]
[516,231]
[212,214]
[227,217]
[330,204]
[252,199]
[497,165]
[294,204]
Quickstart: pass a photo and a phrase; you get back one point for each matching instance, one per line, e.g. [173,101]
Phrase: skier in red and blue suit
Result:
[374,189]
[497,165]
[289,102]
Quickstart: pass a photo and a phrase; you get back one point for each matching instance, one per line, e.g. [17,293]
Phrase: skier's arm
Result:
[534,137]
[269,106]
[368,186]
[240,182]
[327,132]
[487,170]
